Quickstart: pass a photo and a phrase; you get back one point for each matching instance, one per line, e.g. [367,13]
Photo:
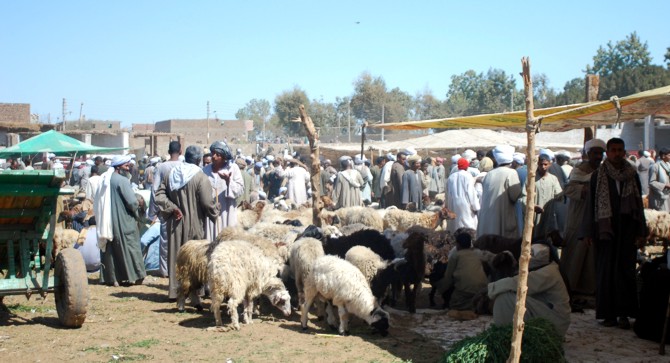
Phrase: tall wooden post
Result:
[522,287]
[315,169]
[592,86]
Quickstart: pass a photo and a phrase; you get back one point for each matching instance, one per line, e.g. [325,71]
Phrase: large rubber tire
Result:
[71,290]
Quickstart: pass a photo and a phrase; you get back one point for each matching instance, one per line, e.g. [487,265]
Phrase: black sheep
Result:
[370,238]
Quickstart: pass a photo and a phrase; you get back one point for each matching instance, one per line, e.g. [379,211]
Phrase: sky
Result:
[144,61]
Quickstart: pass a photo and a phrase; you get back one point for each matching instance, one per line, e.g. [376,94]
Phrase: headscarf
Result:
[463,164]
[486,164]
[595,143]
[220,147]
[120,160]
[503,154]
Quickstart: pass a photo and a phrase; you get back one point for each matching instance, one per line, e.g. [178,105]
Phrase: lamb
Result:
[278,252]
[248,215]
[191,272]
[239,270]
[658,223]
[277,233]
[368,262]
[302,256]
[336,280]
[367,237]
[401,220]
[352,215]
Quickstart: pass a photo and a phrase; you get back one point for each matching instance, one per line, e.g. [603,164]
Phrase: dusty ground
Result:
[137,323]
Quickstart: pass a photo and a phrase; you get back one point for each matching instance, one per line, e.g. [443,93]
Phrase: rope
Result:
[615,101]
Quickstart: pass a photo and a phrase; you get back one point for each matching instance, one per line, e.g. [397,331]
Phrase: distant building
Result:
[195,130]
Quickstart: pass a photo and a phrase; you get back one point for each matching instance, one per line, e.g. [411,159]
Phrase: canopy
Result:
[54,142]
[562,118]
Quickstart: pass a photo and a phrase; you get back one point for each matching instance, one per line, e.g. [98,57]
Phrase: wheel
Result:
[71,290]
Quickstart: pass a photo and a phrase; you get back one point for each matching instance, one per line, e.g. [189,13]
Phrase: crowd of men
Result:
[595,203]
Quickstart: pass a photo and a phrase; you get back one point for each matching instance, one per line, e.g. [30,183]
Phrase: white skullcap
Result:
[90,162]
[132,161]
[120,160]
[469,154]
[57,165]
[155,159]
[77,164]
[520,158]
[547,152]
[358,160]
[646,153]
[132,156]
[595,143]
[410,150]
[248,159]
[390,156]
[181,158]
[503,154]
[270,157]
[51,155]
[454,159]
[282,189]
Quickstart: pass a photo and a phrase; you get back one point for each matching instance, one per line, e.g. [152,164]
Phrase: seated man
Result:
[547,295]
[150,243]
[464,277]
[89,249]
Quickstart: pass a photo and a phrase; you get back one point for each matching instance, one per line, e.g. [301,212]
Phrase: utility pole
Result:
[349,119]
[64,110]
[207,123]
[382,123]
[81,107]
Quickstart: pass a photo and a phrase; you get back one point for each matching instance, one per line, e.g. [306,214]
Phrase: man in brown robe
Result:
[184,198]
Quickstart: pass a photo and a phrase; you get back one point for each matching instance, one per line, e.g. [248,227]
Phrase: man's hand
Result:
[177,214]
[538,209]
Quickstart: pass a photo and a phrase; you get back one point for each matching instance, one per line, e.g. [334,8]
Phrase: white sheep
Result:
[658,223]
[351,215]
[336,280]
[303,253]
[276,251]
[401,220]
[248,215]
[191,272]
[239,270]
[368,262]
[277,233]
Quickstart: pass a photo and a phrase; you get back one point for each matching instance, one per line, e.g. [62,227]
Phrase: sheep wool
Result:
[368,262]
[303,253]
[239,270]
[191,272]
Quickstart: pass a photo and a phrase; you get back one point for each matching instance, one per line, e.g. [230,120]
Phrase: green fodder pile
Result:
[541,343]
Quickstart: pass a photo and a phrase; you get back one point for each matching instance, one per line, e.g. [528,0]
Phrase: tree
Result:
[286,109]
[323,114]
[426,106]
[628,81]
[573,92]
[667,57]
[471,93]
[544,96]
[369,97]
[256,110]
[628,53]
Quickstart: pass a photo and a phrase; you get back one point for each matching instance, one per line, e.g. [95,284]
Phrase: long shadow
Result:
[10,319]
[153,297]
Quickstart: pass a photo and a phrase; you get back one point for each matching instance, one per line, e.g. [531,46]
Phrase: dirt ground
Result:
[137,323]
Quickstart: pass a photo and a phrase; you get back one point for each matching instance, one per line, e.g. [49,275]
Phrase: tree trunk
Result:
[315,169]
[522,287]
[592,86]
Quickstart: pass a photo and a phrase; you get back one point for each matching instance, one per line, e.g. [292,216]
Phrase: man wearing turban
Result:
[227,184]
[462,197]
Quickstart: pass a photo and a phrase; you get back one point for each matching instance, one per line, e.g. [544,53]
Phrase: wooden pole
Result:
[315,170]
[522,287]
[592,86]
[365,124]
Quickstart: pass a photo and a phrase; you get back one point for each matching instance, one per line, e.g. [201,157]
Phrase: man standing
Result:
[617,222]
[297,179]
[160,171]
[226,180]
[122,256]
[437,176]
[394,195]
[500,191]
[185,200]
[546,190]
[659,182]
[246,182]
[462,197]
[645,167]
[412,189]
[577,258]
[376,171]
[348,185]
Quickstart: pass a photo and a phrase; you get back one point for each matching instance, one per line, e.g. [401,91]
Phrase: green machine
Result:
[28,204]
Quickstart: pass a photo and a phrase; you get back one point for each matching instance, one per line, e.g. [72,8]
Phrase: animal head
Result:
[379,320]
[504,265]
[279,297]
[414,241]
[244,205]
[327,202]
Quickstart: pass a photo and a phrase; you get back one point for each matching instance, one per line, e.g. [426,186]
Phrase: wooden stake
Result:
[522,287]
[315,170]
[592,86]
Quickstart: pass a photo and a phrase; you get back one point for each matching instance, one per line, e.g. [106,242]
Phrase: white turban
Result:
[270,157]
[410,150]
[77,164]
[547,152]
[120,160]
[358,160]
[646,154]
[520,158]
[390,156]
[90,162]
[503,154]
[595,143]
[155,159]
[454,159]
[469,154]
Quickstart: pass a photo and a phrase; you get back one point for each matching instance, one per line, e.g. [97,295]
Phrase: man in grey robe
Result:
[412,186]
[394,194]
[465,275]
[500,191]
[644,167]
[659,182]
[122,260]
[348,185]
[547,189]
[577,258]
[185,201]
[547,296]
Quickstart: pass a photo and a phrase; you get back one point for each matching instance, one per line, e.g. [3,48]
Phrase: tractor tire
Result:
[71,288]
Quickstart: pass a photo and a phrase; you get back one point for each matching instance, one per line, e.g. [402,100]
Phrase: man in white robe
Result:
[462,198]
[500,190]
[227,184]
[297,179]
[347,187]
[659,182]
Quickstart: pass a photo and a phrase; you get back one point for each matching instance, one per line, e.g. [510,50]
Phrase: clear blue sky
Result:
[146,61]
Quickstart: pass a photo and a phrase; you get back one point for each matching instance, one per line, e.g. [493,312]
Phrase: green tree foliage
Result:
[286,110]
[625,54]
[323,114]
[472,94]
[369,96]
[574,91]
[633,80]
[258,111]
[544,96]
[667,57]
[426,107]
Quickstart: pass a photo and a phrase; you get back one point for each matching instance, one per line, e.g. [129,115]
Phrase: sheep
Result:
[658,223]
[336,280]
[277,233]
[352,215]
[248,215]
[367,237]
[281,214]
[351,228]
[401,220]
[404,272]
[239,270]
[278,251]
[497,266]
[303,253]
[494,243]
[191,272]
[368,262]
